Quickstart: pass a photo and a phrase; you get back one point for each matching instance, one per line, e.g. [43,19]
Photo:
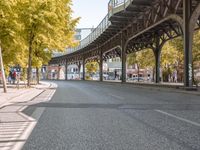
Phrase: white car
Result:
[95,77]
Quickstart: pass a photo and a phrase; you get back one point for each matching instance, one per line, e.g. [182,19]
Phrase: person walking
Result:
[10,77]
[18,79]
[14,74]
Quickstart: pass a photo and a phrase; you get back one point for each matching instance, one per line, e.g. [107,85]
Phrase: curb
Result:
[167,88]
[159,87]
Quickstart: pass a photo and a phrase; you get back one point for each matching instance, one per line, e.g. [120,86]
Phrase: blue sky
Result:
[90,11]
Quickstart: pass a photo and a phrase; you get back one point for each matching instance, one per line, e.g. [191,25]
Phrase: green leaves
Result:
[10,27]
[91,67]
[30,31]
[144,58]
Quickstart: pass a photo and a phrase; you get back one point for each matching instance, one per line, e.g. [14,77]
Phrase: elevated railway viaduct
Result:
[134,25]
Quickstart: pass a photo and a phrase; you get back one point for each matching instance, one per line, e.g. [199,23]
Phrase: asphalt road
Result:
[97,116]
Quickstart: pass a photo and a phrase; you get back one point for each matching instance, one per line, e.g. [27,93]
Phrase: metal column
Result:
[188,32]
[66,71]
[123,57]
[101,67]
[79,69]
[83,69]
[58,74]
[157,51]
[157,65]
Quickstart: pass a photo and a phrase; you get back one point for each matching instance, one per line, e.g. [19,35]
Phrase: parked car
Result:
[105,76]
[95,77]
[135,79]
[111,78]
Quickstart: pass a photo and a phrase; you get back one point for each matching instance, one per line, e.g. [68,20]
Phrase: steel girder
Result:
[137,17]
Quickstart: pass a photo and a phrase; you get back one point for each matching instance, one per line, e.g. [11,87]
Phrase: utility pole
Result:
[2,71]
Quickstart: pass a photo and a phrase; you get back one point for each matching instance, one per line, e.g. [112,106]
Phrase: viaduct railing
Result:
[114,6]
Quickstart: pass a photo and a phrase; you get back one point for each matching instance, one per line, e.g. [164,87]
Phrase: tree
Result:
[91,67]
[172,59]
[134,59]
[177,47]
[142,59]
[48,23]
[41,56]
[2,72]
[10,41]
[196,50]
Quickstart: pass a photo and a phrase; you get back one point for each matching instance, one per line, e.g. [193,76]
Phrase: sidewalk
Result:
[14,94]
[15,125]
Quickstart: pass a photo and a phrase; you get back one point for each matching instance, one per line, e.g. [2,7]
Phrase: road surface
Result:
[105,116]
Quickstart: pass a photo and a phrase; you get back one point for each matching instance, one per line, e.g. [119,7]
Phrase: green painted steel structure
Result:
[133,25]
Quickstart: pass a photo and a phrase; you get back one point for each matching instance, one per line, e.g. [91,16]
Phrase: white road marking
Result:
[179,118]
[24,136]
[116,96]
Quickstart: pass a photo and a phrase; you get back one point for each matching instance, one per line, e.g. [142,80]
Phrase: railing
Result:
[115,3]
[94,34]
[104,24]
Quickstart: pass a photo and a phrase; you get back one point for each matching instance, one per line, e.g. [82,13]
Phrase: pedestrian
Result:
[169,78]
[14,74]
[175,77]
[18,79]
[10,77]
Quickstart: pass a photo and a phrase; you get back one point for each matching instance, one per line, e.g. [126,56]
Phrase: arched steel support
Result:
[158,43]
[118,46]
[170,17]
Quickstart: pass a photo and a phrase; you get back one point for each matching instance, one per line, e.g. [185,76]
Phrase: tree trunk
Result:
[79,70]
[177,70]
[29,66]
[37,75]
[2,72]
[153,78]
[30,59]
